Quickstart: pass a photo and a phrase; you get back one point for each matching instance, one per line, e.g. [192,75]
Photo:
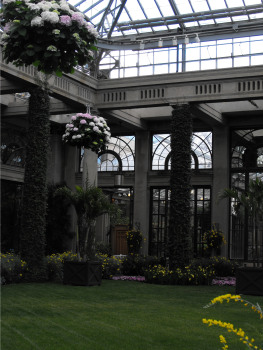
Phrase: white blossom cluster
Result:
[54,12]
[86,128]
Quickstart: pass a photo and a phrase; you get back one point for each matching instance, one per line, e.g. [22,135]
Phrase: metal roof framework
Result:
[124,22]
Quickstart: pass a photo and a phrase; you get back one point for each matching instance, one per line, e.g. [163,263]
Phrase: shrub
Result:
[12,268]
[103,248]
[221,265]
[185,276]
[55,265]
[110,265]
[136,265]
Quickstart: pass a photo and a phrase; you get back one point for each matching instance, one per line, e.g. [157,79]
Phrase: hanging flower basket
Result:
[87,131]
[48,34]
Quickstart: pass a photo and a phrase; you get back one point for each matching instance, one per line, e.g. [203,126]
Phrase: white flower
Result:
[74,137]
[75,129]
[96,129]
[37,22]
[33,7]
[5,2]
[4,36]
[78,136]
[91,124]
[100,124]
[95,119]
[51,17]
[64,6]
[45,5]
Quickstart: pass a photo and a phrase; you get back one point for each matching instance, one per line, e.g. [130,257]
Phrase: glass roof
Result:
[126,19]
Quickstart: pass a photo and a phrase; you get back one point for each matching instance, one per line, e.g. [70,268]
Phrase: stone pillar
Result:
[90,170]
[141,191]
[220,209]
[56,162]
[70,159]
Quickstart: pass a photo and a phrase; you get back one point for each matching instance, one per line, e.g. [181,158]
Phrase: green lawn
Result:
[120,315]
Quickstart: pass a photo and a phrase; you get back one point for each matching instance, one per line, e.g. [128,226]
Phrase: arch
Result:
[201,151]
[108,161]
[122,150]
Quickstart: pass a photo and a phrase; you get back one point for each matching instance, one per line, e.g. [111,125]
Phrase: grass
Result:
[121,315]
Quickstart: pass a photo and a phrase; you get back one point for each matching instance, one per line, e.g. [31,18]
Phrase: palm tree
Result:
[89,203]
[251,202]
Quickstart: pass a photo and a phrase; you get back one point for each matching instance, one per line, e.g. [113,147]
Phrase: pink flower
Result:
[78,17]
[65,20]
[73,117]
[83,121]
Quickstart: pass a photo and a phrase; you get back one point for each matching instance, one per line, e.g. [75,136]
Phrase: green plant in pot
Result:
[89,202]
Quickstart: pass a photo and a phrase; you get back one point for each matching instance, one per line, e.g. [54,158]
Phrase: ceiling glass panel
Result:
[116,18]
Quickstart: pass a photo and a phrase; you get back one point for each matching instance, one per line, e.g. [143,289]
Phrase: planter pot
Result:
[82,273]
[249,280]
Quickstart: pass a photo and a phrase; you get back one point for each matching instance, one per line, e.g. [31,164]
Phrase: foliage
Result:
[55,265]
[12,268]
[134,240]
[222,266]
[189,275]
[87,131]
[54,37]
[111,265]
[89,203]
[58,221]
[229,326]
[33,220]
[179,241]
[103,248]
[213,240]
[136,265]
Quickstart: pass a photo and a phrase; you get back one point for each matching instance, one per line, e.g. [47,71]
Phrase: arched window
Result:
[119,156]
[247,148]
[201,151]
[12,149]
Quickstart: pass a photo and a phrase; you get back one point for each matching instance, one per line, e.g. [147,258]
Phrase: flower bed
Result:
[129,278]
[224,281]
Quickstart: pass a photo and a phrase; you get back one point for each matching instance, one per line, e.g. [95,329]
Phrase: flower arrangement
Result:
[213,239]
[134,240]
[54,37]
[88,131]
[250,343]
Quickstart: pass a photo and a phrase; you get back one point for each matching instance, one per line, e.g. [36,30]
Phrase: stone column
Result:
[141,190]
[220,209]
[56,161]
[70,159]
[90,170]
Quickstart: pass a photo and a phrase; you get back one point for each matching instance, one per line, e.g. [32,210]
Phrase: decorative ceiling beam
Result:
[116,18]
[191,17]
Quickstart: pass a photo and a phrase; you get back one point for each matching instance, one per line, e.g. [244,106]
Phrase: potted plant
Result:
[89,203]
[212,241]
[249,280]
[87,131]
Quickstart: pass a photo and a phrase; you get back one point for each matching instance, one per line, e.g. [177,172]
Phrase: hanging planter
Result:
[87,131]
[54,37]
